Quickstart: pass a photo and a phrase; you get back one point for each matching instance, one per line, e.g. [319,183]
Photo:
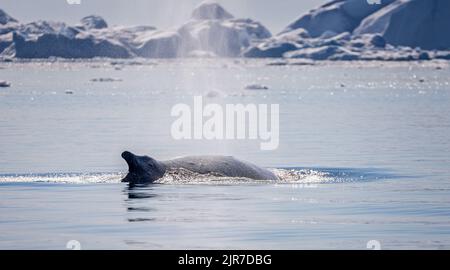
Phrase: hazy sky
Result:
[274,14]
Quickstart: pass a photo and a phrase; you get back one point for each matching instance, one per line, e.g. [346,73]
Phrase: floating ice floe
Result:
[4,84]
[213,94]
[256,87]
[106,80]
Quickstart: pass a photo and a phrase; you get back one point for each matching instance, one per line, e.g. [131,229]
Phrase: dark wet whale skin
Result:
[144,169]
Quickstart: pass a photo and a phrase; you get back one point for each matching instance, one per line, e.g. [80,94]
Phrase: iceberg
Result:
[213,29]
[278,45]
[131,37]
[5,41]
[210,11]
[335,17]
[62,45]
[44,39]
[5,18]
[7,26]
[395,30]
[412,23]
[340,30]
[159,45]
[226,38]
[93,22]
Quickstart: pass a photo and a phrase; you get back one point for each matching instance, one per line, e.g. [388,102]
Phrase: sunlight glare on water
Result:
[364,153]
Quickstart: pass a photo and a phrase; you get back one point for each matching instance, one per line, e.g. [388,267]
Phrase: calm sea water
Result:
[368,144]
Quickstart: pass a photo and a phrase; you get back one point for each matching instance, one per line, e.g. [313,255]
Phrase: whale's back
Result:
[226,166]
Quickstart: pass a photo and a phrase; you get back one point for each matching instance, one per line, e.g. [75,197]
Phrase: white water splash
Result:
[184,176]
[303,176]
[178,176]
[65,178]
[286,176]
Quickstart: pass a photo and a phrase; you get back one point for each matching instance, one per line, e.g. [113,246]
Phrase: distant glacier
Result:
[397,30]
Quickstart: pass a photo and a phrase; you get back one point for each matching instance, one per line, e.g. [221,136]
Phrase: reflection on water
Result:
[139,202]
[400,212]
[142,193]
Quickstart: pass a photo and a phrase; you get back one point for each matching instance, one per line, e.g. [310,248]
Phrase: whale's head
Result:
[142,169]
